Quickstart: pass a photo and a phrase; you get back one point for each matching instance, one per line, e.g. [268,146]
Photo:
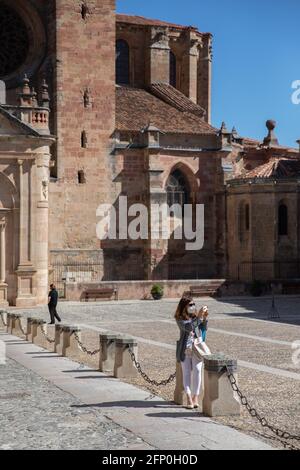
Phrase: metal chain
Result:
[253,412]
[2,318]
[83,348]
[46,336]
[146,377]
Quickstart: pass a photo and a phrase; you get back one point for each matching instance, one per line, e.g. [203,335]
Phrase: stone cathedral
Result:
[96,105]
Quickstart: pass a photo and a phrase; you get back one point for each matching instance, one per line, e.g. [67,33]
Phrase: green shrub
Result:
[157,290]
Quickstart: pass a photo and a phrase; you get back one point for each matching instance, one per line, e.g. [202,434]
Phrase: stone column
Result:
[3,285]
[156,247]
[41,233]
[25,271]
[158,59]
[205,76]
[190,70]
[219,398]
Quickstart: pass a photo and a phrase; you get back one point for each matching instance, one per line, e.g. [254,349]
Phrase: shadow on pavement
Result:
[129,404]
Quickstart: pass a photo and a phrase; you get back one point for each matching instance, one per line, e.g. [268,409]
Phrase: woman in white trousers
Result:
[192,326]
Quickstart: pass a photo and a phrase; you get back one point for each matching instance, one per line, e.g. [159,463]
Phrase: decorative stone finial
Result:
[271,140]
[224,129]
[26,87]
[34,102]
[25,94]
[45,99]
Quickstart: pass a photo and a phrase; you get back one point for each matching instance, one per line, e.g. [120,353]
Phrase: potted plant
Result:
[157,291]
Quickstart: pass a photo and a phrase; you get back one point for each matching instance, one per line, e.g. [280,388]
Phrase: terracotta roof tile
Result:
[141,20]
[175,98]
[276,168]
[137,107]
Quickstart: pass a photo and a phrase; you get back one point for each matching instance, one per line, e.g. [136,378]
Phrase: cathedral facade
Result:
[95,106]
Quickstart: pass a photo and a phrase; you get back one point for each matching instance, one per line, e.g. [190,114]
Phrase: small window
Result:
[81,177]
[247,217]
[244,221]
[173,69]
[282,220]
[83,139]
[122,62]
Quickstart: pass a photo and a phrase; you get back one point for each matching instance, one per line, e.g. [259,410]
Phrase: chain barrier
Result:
[46,336]
[2,318]
[253,412]
[146,377]
[83,348]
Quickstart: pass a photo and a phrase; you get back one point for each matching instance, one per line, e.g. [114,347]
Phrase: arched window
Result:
[173,69]
[178,191]
[122,62]
[282,220]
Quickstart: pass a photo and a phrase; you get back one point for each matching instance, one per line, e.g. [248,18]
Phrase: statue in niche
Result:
[45,189]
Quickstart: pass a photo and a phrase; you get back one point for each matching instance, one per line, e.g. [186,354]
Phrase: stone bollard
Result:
[3,318]
[30,322]
[28,329]
[37,335]
[9,319]
[124,367]
[219,398]
[108,350]
[179,394]
[15,325]
[58,345]
[69,343]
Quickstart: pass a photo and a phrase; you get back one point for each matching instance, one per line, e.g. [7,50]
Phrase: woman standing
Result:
[192,326]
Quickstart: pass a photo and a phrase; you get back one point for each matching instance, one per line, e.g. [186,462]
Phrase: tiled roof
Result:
[136,107]
[175,98]
[142,21]
[276,168]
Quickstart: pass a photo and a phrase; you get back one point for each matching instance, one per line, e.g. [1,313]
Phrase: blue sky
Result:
[256,58]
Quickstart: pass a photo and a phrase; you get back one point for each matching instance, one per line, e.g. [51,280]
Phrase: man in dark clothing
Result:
[52,303]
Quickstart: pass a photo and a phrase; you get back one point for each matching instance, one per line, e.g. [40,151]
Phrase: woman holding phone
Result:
[193,327]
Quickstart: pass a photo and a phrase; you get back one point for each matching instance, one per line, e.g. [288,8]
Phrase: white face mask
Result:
[191,310]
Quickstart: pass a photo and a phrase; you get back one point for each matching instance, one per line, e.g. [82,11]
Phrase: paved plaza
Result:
[237,327]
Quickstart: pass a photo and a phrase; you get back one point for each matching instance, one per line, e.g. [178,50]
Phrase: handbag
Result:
[200,349]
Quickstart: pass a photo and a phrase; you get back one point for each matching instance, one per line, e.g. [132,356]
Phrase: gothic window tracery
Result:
[177,189]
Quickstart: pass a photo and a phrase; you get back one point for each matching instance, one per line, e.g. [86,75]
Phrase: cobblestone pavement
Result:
[237,327]
[34,414]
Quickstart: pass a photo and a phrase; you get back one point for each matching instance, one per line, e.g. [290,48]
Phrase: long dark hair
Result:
[181,313]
